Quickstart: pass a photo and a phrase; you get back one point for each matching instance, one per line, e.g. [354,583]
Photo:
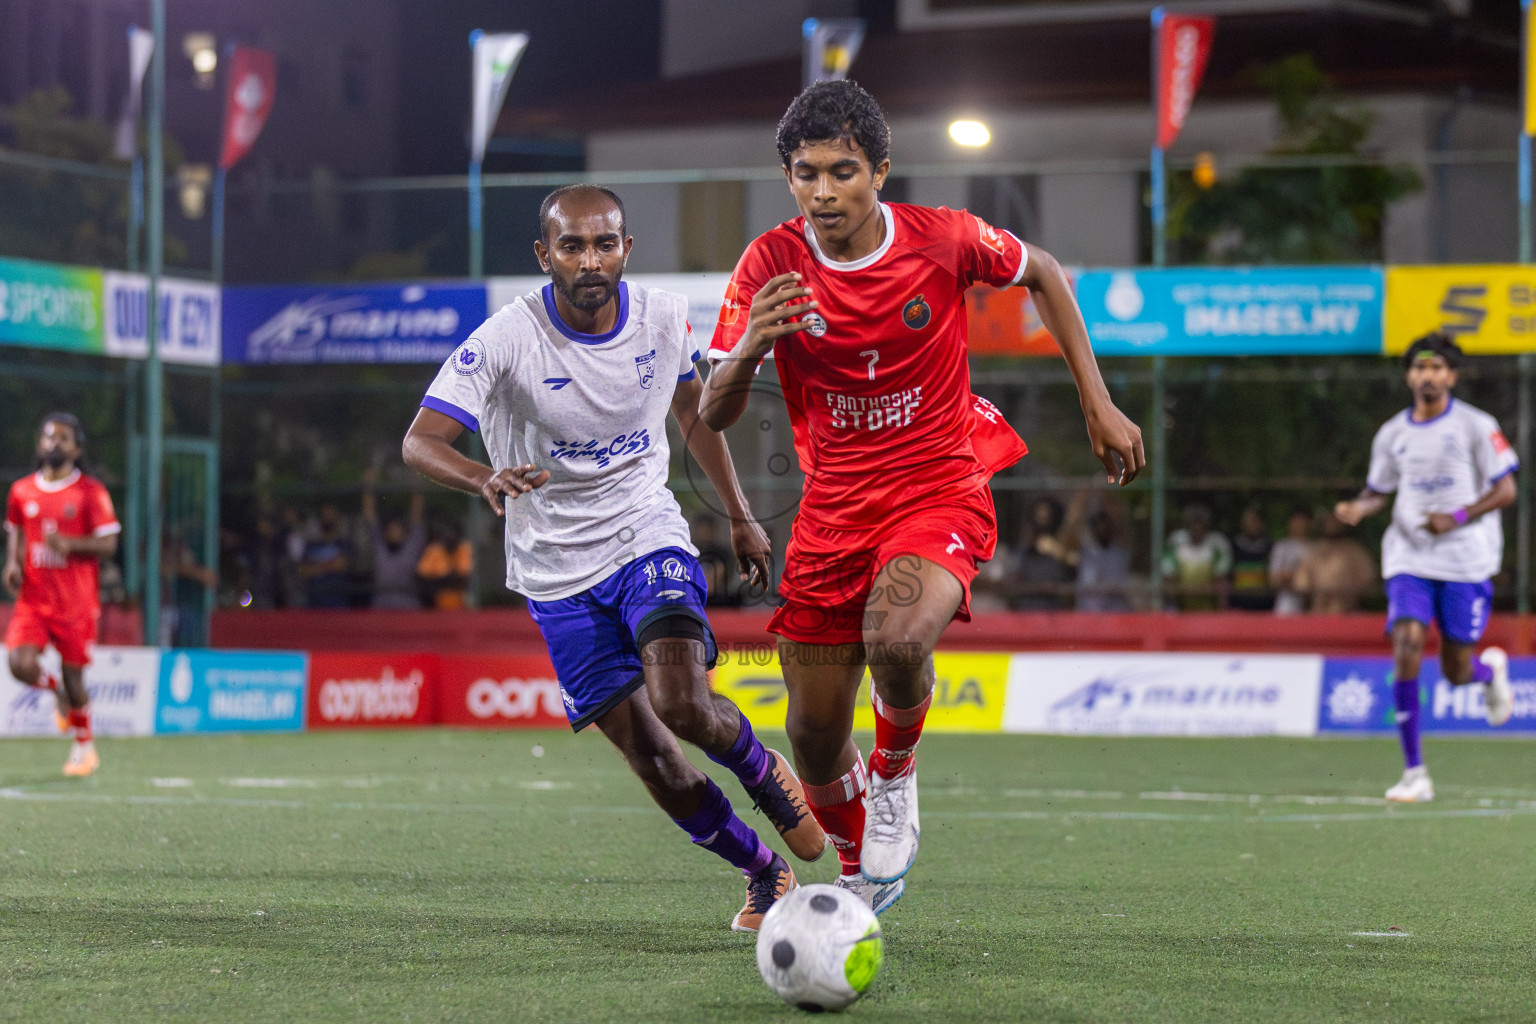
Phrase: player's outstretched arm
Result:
[1362,506]
[724,396]
[99,547]
[1110,431]
[753,551]
[428,449]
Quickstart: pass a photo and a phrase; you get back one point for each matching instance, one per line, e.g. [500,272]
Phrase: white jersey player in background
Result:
[1452,471]
[570,387]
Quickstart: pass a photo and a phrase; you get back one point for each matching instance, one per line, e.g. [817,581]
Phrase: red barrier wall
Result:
[511,631]
[121,627]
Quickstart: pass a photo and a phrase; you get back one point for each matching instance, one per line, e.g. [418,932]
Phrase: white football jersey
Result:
[592,410]
[1440,465]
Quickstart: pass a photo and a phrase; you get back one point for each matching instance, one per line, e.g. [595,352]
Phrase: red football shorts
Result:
[73,636]
[829,574]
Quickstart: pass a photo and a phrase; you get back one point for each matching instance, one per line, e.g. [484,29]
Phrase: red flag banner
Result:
[1183,44]
[252,83]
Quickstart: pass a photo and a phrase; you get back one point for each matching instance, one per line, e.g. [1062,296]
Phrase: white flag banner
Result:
[141,47]
[830,45]
[495,58]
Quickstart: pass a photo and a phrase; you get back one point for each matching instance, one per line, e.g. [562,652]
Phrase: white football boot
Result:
[1413,788]
[1498,702]
[877,896]
[890,826]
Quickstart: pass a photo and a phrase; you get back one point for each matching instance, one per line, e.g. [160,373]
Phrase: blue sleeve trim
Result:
[1504,474]
[687,376]
[1378,490]
[451,411]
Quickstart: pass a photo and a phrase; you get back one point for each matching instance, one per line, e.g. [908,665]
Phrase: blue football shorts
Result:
[591,635]
[1459,609]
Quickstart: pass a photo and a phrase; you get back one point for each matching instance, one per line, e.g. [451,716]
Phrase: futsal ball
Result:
[819,948]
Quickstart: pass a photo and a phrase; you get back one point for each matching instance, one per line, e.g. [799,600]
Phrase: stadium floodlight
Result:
[969,133]
[202,50]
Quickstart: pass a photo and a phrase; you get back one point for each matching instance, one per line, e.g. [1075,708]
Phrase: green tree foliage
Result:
[1293,215]
[59,215]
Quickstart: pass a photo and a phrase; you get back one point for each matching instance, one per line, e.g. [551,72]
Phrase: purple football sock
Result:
[715,827]
[1405,694]
[746,758]
[1481,673]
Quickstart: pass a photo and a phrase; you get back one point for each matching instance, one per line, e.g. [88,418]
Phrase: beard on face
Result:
[55,458]
[587,304]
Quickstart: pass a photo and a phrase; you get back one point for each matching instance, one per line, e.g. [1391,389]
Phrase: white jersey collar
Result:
[863,261]
[54,486]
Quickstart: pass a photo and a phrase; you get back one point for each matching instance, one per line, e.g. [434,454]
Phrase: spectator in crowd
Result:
[397,545]
[261,560]
[184,584]
[1286,558]
[1103,562]
[1041,569]
[443,571]
[1251,550]
[718,562]
[326,563]
[1336,571]
[1197,561]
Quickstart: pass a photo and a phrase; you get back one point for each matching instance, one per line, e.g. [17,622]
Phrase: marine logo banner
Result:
[409,323]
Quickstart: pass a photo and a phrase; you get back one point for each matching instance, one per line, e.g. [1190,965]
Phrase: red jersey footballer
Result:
[861,306]
[59,523]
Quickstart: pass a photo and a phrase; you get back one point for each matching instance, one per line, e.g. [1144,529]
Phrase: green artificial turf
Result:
[444,875]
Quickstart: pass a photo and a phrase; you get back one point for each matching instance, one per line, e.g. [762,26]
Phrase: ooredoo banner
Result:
[500,691]
[1164,694]
[348,690]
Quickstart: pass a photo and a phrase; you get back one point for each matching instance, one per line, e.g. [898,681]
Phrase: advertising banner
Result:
[1163,694]
[500,691]
[1003,322]
[1241,311]
[1488,310]
[231,691]
[402,323]
[189,319]
[967,697]
[122,683]
[1357,698]
[494,58]
[356,690]
[1183,46]
[252,87]
[45,305]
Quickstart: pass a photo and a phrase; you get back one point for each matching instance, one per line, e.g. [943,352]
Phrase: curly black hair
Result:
[835,110]
[1435,343]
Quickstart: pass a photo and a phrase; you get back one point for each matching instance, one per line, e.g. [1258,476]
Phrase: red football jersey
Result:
[76,506]
[879,390]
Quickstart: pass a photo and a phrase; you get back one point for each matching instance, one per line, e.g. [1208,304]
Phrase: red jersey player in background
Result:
[861,305]
[59,524]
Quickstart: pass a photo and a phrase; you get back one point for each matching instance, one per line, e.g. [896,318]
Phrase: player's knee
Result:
[23,665]
[683,716]
[897,648]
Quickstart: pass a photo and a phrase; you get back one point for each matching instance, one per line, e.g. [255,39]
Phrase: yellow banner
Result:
[1530,72]
[968,696]
[1488,309]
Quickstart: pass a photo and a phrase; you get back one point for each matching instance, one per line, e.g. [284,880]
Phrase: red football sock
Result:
[839,808]
[80,721]
[897,731]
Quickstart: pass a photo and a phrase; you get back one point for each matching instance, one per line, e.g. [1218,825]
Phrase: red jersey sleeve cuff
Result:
[1023,258]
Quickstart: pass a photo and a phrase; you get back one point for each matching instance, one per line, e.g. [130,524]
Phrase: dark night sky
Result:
[573,47]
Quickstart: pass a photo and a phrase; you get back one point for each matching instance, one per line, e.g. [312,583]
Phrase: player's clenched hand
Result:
[512,481]
[754,553]
[769,318]
[1349,512]
[1112,434]
[57,543]
[1440,522]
